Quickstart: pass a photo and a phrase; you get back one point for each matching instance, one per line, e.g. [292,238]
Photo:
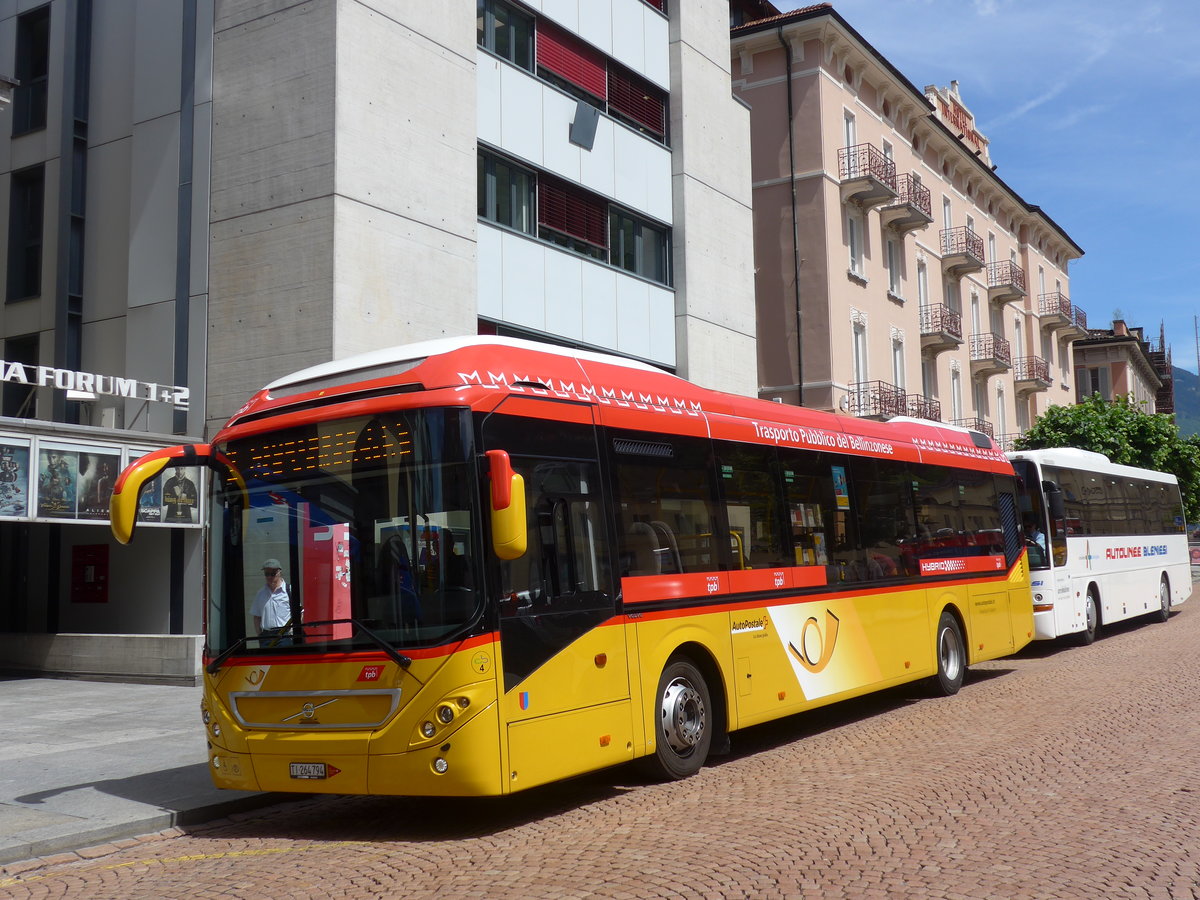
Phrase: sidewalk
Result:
[86,762]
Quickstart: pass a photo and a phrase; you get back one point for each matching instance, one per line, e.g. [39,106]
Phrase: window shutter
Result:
[637,99]
[572,212]
[570,58]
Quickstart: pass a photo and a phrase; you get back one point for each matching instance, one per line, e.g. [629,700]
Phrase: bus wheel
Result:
[951,656]
[1091,615]
[684,721]
[1164,599]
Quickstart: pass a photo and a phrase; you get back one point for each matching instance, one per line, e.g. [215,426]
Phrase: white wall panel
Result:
[558,153]
[628,29]
[490,271]
[657,36]
[564,12]
[662,325]
[564,294]
[487,106]
[656,165]
[633,316]
[521,114]
[599,306]
[595,23]
[157,36]
[524,279]
[597,169]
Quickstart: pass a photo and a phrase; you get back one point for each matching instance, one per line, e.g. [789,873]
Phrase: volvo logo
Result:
[309,710]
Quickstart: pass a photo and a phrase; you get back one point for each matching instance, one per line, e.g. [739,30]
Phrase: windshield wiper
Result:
[399,658]
[219,659]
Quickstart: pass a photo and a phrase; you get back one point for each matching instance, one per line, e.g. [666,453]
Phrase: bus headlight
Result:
[428,729]
[445,715]
[440,766]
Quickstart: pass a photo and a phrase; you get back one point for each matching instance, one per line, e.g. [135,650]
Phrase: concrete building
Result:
[1119,361]
[897,273]
[205,196]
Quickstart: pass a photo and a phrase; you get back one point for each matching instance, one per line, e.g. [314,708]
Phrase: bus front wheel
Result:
[951,655]
[1164,599]
[683,720]
[1091,618]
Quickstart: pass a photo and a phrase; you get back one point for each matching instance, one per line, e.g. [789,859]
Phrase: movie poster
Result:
[57,473]
[97,474]
[181,497]
[14,479]
[150,502]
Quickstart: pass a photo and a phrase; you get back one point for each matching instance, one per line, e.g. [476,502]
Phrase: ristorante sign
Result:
[92,383]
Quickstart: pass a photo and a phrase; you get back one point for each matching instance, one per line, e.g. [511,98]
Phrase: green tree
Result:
[1126,434]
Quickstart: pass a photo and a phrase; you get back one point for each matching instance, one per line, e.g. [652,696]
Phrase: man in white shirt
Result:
[272,607]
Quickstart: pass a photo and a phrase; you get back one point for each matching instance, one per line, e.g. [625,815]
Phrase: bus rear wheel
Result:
[1164,599]
[951,656]
[1091,618]
[683,721]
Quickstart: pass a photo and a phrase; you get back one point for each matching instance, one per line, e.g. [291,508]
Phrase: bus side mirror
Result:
[1054,500]
[509,536]
[123,504]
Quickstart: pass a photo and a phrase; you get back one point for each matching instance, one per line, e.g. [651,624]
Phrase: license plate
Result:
[308,771]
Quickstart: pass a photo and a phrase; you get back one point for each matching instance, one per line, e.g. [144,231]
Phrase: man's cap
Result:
[271,564]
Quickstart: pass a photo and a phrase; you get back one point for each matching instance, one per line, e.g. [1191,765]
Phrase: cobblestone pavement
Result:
[1058,773]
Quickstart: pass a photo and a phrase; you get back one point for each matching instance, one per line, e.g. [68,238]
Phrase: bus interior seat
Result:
[667,548]
[641,544]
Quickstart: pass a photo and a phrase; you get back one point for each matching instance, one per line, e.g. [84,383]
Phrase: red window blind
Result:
[657,4]
[572,212]
[637,99]
[570,58]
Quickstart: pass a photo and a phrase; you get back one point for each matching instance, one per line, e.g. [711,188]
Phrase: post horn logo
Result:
[815,649]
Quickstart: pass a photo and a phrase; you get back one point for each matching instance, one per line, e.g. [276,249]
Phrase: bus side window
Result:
[668,517]
[749,488]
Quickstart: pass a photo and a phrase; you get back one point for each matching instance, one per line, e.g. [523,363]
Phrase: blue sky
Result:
[1091,109]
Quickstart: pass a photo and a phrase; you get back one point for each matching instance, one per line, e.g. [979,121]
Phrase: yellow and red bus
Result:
[508,563]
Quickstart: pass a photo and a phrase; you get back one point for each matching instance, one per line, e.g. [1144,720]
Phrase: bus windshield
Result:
[349,533]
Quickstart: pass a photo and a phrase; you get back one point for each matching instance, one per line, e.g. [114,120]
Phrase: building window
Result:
[572,218]
[637,102]
[947,217]
[571,64]
[854,237]
[849,129]
[893,263]
[32,71]
[956,412]
[639,247]
[20,400]
[505,31]
[1001,411]
[1093,380]
[506,193]
[898,361]
[858,339]
[26,198]
[922,284]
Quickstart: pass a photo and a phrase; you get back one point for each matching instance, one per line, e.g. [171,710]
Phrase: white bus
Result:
[1106,542]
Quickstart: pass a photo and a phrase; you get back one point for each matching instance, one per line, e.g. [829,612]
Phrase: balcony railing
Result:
[1007,440]
[1054,310]
[976,424]
[912,207]
[1006,281]
[876,399]
[941,328]
[868,177]
[1031,373]
[1079,321]
[990,354]
[920,407]
[962,251]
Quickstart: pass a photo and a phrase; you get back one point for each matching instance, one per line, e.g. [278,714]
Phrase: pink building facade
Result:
[896,272]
